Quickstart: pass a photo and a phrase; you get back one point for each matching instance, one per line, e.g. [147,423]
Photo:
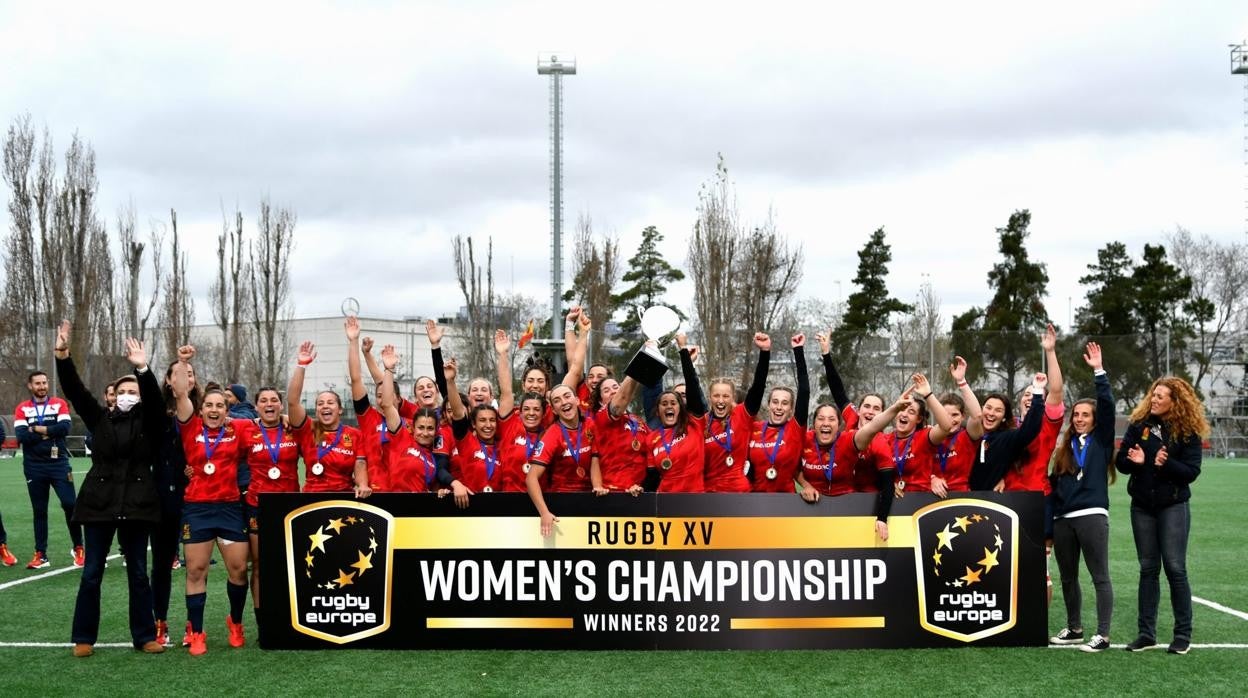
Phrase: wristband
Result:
[569,326]
[1099,372]
[962,384]
[927,396]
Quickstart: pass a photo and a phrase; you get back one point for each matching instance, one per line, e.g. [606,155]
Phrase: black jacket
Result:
[1153,488]
[1072,492]
[120,486]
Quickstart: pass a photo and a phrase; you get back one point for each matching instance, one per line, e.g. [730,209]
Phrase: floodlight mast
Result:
[556,65]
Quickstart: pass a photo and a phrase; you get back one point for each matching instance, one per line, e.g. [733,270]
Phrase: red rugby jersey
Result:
[413,467]
[336,452]
[517,446]
[686,453]
[566,453]
[870,462]
[954,458]
[728,438]
[1032,475]
[623,464]
[272,454]
[223,449]
[830,469]
[912,457]
[478,465]
[779,448]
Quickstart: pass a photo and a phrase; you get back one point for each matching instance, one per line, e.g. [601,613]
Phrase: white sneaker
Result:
[1067,637]
[1096,644]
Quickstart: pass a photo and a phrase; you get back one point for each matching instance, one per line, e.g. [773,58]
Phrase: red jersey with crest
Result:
[870,462]
[477,464]
[779,448]
[830,469]
[413,468]
[1032,475]
[272,454]
[912,457]
[567,453]
[954,458]
[516,446]
[221,447]
[583,395]
[336,452]
[622,464]
[687,453]
[375,436]
[724,438]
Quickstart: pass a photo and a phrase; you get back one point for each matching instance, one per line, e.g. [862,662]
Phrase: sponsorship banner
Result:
[705,571]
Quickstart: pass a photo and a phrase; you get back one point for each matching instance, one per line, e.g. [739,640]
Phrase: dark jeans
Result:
[133,539]
[1161,542]
[165,537]
[1088,535]
[37,485]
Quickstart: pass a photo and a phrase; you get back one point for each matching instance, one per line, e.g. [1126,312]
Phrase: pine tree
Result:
[649,273]
[868,309]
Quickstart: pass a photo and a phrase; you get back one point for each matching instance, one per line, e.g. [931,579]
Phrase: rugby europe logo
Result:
[339,556]
[966,558]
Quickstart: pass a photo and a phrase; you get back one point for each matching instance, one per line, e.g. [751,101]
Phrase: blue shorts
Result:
[203,522]
[252,515]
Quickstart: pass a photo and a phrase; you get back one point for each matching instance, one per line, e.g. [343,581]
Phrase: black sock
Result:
[238,600]
[195,610]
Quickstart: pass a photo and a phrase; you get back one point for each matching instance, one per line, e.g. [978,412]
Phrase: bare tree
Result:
[712,261]
[271,300]
[132,321]
[229,294]
[479,305]
[1219,296]
[177,312]
[768,272]
[596,270]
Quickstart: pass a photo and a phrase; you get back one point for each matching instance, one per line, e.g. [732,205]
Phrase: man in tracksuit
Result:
[42,423]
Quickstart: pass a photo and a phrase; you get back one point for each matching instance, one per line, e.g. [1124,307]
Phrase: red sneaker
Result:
[162,633]
[199,644]
[186,639]
[80,556]
[39,561]
[7,557]
[236,632]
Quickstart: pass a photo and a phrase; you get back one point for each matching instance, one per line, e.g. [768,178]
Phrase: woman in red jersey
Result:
[870,460]
[832,452]
[956,454]
[419,457]
[676,455]
[519,435]
[912,444]
[729,424]
[622,436]
[776,442]
[372,423]
[568,449]
[212,512]
[272,455]
[333,453]
[1031,472]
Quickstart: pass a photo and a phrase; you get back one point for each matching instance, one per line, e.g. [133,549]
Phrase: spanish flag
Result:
[526,337]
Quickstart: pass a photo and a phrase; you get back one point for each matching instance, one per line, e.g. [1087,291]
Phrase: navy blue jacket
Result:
[1071,492]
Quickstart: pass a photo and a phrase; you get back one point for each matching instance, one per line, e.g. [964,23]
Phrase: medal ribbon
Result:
[899,456]
[1080,453]
[530,445]
[631,423]
[831,451]
[573,450]
[322,451]
[667,443]
[771,457]
[272,447]
[209,450]
[726,442]
[42,409]
[430,468]
[943,451]
[491,461]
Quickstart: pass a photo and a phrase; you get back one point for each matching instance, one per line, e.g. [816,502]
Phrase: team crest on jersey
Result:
[966,558]
[346,440]
[339,556]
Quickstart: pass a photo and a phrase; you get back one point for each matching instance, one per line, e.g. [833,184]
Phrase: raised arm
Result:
[801,410]
[576,363]
[569,333]
[387,400]
[370,362]
[453,401]
[695,400]
[864,435]
[84,403]
[754,397]
[294,389]
[179,383]
[435,349]
[352,328]
[1104,429]
[1057,387]
[506,391]
[835,385]
[972,420]
[942,422]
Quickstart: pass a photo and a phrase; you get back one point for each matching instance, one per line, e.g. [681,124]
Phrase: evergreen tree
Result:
[1160,292]
[867,310]
[649,273]
[1106,318]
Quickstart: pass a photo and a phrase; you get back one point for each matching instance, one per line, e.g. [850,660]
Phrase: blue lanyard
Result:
[831,451]
[667,443]
[573,451]
[943,451]
[899,456]
[771,457]
[209,450]
[430,468]
[41,412]
[530,445]
[271,447]
[632,426]
[322,451]
[726,443]
[491,463]
[1081,454]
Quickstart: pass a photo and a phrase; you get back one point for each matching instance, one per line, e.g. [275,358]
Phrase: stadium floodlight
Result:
[556,65]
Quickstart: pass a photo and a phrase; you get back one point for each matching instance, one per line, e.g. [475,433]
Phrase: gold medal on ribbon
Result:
[580,472]
[636,445]
[666,464]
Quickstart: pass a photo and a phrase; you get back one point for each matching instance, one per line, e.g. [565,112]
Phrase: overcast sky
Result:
[392,126]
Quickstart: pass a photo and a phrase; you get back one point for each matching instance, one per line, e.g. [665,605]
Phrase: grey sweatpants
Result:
[1089,535]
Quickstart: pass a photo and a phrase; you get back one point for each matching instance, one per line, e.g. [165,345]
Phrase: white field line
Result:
[50,573]
[1219,607]
[1159,648]
[65,645]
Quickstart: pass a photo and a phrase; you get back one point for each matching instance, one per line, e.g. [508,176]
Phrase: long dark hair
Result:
[1064,462]
[1007,419]
[171,403]
[682,412]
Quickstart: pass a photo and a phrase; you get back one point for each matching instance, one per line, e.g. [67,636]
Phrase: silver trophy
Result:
[660,324]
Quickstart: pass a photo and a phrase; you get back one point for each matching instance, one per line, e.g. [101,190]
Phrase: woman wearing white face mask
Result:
[118,496]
